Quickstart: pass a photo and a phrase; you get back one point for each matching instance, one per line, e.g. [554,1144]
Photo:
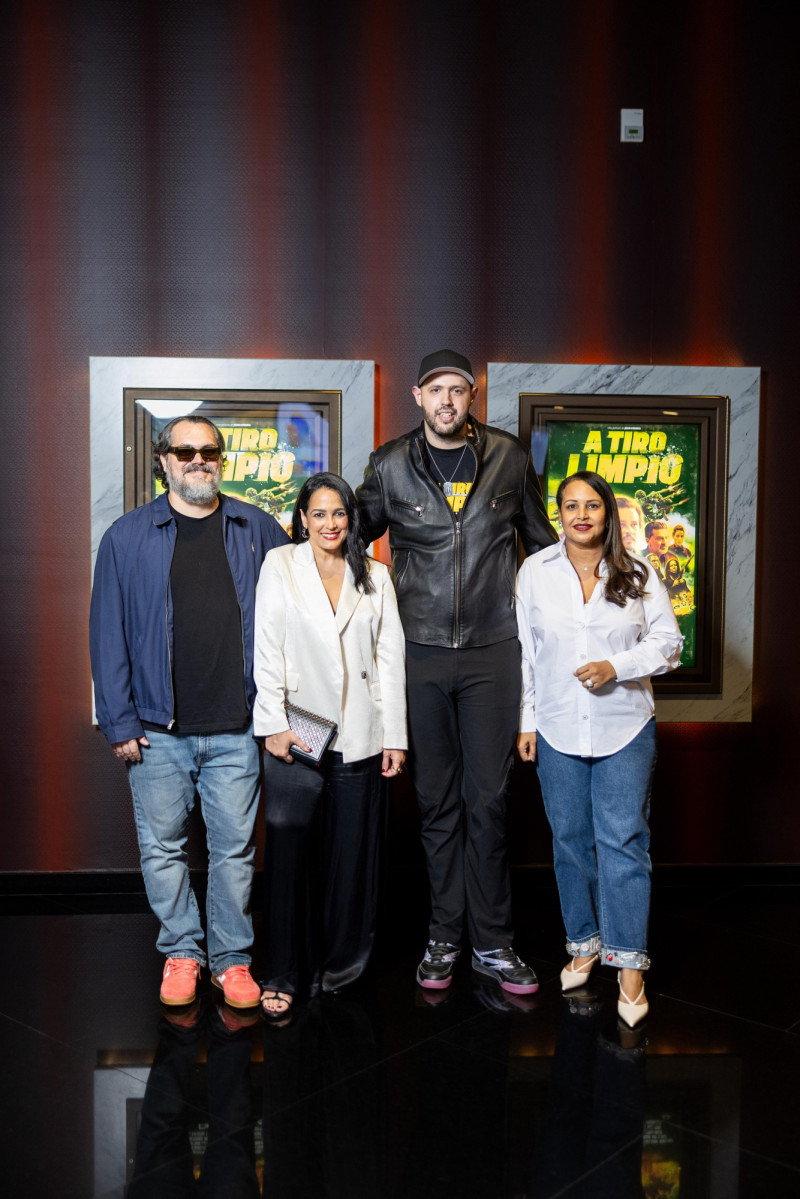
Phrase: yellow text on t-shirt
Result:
[459,496]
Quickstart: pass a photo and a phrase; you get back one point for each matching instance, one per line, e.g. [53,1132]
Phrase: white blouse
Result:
[559,633]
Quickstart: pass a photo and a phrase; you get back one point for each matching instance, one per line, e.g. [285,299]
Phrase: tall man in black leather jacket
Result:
[455,495]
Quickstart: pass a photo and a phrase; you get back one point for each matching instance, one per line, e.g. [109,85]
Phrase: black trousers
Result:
[321,871]
[463,712]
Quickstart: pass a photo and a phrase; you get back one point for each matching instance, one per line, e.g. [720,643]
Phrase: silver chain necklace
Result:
[447,484]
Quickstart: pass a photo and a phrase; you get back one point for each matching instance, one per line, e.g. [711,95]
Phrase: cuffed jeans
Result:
[224,770]
[463,713]
[598,809]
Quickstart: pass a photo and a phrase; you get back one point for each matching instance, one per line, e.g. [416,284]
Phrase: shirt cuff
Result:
[527,719]
[625,666]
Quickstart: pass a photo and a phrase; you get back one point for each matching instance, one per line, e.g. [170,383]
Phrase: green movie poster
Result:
[269,456]
[654,471]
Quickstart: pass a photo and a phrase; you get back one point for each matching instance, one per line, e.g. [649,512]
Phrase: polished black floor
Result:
[385,1092]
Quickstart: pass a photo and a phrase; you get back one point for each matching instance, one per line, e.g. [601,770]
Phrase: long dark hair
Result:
[164,441]
[626,578]
[355,554]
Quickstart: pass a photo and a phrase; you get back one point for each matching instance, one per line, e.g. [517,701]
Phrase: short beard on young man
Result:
[449,432]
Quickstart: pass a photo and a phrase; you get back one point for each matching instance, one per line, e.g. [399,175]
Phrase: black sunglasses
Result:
[185,453]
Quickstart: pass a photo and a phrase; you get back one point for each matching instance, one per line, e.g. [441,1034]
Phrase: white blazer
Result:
[349,667]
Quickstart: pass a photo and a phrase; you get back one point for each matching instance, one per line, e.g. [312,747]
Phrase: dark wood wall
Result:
[374,180]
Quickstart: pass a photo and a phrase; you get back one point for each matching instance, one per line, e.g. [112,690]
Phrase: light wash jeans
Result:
[224,770]
[598,809]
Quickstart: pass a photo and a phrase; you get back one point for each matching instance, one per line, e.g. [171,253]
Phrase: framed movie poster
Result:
[665,458]
[274,440]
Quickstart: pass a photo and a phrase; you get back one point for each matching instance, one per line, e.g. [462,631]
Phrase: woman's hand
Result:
[595,674]
[526,746]
[279,744]
[393,761]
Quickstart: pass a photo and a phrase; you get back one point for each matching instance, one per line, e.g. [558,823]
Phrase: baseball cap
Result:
[444,360]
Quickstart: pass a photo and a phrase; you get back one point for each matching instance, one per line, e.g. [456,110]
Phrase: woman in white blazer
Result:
[328,639]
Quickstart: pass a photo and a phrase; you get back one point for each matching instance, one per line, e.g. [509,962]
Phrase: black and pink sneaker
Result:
[435,971]
[505,967]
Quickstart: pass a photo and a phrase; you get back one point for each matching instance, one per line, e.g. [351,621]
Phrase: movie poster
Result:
[269,456]
[654,472]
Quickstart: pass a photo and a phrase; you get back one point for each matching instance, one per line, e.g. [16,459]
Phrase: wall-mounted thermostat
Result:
[631,126]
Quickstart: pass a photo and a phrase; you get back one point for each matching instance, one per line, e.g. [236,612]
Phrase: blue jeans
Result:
[598,809]
[224,769]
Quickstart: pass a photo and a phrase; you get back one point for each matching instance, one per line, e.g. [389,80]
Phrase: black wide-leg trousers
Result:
[321,871]
[463,712]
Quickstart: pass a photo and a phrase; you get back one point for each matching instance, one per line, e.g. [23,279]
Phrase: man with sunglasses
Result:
[171,633]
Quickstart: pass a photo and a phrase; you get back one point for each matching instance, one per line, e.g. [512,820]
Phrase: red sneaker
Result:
[239,986]
[179,982]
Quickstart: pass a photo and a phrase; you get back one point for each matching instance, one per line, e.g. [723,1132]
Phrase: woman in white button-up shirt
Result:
[595,623]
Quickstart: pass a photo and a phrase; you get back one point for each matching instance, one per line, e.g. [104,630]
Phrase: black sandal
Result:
[282,997]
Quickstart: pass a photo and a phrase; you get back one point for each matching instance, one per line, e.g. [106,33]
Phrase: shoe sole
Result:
[434,984]
[178,1002]
[512,988]
[234,1002]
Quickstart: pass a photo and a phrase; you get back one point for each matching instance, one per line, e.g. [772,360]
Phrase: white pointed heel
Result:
[572,978]
[631,1010]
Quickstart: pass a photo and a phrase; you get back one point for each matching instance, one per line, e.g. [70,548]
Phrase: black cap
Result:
[444,360]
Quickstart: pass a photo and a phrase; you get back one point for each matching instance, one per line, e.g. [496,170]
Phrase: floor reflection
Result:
[324,1109]
[187,1130]
[589,1135]
[389,1092]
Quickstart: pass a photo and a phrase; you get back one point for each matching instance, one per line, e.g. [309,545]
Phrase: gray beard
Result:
[195,492]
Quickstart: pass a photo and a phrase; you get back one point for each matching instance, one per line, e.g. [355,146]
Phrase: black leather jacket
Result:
[455,575]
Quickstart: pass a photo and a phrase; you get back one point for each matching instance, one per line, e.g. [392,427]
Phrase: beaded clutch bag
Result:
[315,731]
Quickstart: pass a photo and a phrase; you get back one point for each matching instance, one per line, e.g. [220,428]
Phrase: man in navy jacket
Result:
[171,634]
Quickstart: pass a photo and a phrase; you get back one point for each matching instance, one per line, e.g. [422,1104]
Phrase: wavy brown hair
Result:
[626,578]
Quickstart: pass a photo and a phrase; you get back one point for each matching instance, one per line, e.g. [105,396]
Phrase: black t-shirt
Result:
[454,471]
[208,665]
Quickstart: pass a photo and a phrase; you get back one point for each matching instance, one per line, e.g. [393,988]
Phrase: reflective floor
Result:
[389,1092]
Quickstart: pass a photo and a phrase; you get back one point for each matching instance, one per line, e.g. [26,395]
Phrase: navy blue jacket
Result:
[130,624]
